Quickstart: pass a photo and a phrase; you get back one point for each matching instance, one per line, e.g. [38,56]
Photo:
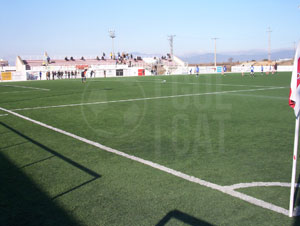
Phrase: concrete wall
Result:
[205,70]
[239,69]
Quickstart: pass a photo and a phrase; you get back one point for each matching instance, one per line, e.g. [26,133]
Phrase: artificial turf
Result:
[222,129]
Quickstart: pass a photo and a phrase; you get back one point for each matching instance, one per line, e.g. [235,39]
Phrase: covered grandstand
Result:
[28,68]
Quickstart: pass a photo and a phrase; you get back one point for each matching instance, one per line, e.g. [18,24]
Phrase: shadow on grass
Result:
[297,203]
[14,145]
[22,203]
[62,157]
[183,217]
[33,163]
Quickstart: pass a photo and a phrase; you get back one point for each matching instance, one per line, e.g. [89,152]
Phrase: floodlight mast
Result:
[112,35]
[215,51]
[171,39]
[269,46]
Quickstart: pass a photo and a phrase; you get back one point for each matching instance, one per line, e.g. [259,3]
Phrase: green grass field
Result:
[225,130]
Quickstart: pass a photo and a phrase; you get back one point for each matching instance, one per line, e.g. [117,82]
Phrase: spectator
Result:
[275,67]
[243,70]
[48,75]
[83,76]
[91,73]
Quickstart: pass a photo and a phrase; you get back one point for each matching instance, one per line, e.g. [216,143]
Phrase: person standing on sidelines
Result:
[83,76]
[197,71]
[262,70]
[275,67]
[243,70]
[224,70]
[252,70]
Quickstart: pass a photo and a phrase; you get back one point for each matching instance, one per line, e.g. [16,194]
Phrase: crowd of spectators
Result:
[61,74]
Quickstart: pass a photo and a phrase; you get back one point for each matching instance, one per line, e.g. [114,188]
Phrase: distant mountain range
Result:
[238,56]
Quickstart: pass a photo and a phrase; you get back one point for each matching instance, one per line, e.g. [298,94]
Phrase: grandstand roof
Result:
[62,62]
[92,62]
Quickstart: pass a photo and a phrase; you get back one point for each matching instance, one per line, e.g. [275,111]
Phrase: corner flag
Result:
[294,102]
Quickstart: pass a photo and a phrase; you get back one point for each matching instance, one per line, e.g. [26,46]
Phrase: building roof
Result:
[60,62]
[3,63]
[88,62]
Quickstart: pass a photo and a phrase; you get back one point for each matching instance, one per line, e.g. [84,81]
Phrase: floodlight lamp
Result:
[112,33]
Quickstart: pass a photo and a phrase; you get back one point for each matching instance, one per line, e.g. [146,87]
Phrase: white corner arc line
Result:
[224,189]
[257,202]
[259,184]
[26,87]
[146,98]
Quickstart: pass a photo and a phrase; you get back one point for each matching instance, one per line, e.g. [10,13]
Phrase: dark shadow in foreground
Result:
[22,203]
[183,217]
[62,157]
[297,203]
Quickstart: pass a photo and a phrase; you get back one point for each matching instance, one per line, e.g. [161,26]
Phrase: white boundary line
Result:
[259,96]
[146,98]
[18,91]
[1,115]
[221,84]
[225,189]
[26,87]
[192,83]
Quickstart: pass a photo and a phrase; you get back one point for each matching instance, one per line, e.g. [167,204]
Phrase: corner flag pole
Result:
[294,167]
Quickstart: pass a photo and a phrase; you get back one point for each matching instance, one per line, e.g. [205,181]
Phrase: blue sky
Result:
[81,27]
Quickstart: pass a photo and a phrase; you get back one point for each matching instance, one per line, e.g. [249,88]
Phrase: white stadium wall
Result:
[205,70]
[239,69]
[100,72]
[13,76]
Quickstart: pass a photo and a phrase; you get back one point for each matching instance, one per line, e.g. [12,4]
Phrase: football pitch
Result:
[157,150]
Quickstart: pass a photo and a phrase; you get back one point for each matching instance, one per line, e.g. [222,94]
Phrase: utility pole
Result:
[215,51]
[269,48]
[112,34]
[171,39]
